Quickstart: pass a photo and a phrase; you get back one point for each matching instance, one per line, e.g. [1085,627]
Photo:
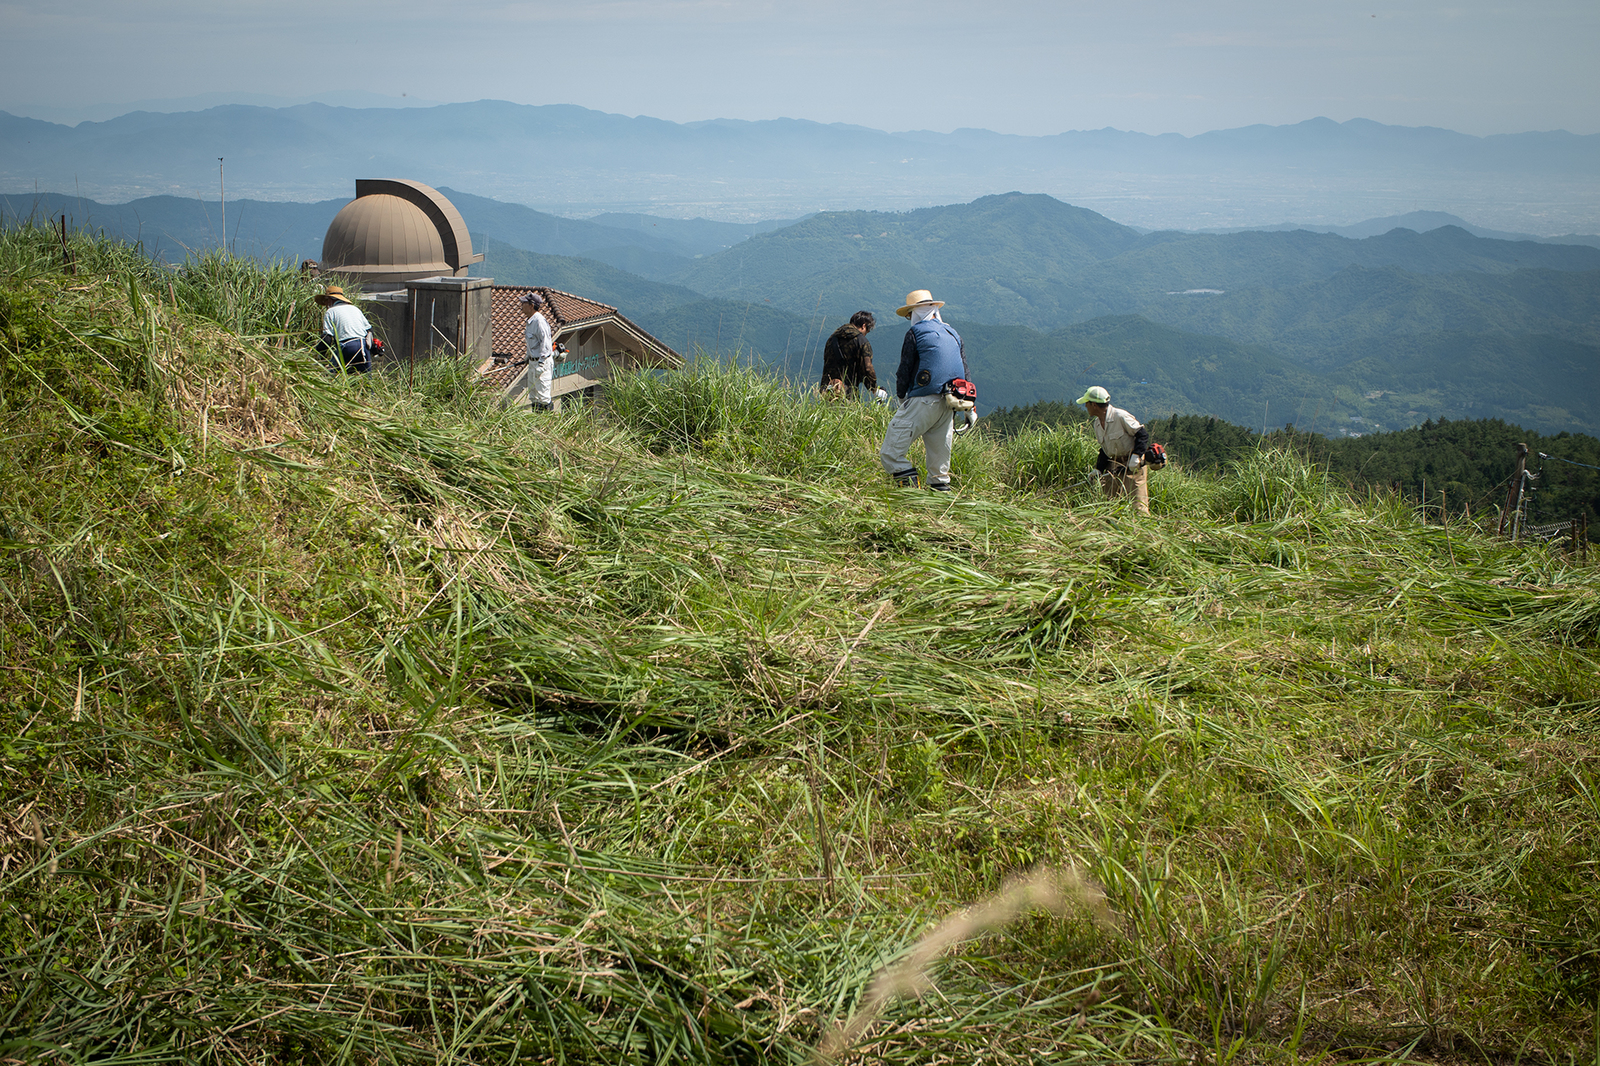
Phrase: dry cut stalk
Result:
[1053,890]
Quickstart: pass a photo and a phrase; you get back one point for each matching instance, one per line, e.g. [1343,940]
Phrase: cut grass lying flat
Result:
[359,719]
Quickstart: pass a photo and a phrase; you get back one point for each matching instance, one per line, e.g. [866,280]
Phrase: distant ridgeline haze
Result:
[1338,336]
[585,162]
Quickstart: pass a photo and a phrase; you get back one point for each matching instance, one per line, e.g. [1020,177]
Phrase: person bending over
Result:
[1123,443]
[847,359]
[346,333]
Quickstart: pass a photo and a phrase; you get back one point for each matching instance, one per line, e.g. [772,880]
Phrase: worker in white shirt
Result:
[541,350]
[1123,443]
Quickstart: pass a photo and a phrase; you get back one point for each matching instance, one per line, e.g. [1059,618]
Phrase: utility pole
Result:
[1514,495]
[222,188]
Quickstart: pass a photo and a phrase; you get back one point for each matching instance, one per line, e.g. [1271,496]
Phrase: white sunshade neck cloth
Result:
[923,312]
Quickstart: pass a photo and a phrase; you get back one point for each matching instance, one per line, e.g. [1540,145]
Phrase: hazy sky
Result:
[1156,66]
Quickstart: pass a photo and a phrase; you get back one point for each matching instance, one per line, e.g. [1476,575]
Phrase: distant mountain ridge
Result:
[1421,222]
[1029,259]
[171,227]
[573,161]
[1343,335]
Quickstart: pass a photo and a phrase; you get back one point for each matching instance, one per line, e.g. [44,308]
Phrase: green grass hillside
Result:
[1461,469]
[362,721]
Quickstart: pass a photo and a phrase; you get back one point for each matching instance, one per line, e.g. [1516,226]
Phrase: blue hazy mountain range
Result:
[174,226]
[1337,334]
[104,112]
[1422,222]
[575,161]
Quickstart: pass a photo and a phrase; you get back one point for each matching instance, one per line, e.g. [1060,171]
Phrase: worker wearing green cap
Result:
[1123,443]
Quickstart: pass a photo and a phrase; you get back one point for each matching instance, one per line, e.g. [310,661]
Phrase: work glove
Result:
[965,420]
[1132,463]
[880,396]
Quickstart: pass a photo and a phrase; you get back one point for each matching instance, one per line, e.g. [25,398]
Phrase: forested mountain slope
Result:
[1031,260]
[1390,330]
[1386,332]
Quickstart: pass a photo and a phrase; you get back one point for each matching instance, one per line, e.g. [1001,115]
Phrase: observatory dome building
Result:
[405,250]
[396,231]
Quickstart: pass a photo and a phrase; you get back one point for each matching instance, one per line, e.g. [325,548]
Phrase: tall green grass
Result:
[363,720]
[1051,458]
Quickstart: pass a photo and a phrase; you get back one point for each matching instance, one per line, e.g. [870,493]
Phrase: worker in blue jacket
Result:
[931,356]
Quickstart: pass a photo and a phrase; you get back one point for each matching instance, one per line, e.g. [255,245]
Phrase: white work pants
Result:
[540,374]
[926,417]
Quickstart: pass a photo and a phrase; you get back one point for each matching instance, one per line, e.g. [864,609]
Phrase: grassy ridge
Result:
[346,721]
[1457,468]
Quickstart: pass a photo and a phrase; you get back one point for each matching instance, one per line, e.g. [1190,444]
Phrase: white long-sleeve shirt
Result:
[541,343]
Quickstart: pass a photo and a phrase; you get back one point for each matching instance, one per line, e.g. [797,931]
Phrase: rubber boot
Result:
[905,479]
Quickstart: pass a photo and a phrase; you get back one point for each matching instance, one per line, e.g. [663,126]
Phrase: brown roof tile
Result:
[566,312]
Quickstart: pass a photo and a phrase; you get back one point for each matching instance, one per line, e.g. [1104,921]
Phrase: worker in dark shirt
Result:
[847,360]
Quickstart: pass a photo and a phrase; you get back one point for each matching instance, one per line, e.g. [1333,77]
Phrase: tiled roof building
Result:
[600,341]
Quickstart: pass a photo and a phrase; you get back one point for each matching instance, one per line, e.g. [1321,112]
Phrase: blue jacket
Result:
[931,355]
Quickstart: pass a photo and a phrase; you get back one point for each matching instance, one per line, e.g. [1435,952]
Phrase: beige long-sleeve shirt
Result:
[1117,434]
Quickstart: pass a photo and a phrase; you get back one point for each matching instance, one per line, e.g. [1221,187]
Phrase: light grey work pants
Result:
[540,376]
[926,417]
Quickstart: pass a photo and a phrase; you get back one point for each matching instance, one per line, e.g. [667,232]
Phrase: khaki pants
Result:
[1118,482]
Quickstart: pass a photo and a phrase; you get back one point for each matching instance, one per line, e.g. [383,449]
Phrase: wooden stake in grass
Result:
[66,256]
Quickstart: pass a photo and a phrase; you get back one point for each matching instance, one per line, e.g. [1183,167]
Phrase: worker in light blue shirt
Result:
[346,333]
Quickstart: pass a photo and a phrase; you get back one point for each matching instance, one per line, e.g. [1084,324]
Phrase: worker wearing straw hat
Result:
[541,350]
[931,356]
[346,333]
[1123,443]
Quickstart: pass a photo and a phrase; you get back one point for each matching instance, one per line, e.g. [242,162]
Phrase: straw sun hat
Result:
[913,299]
